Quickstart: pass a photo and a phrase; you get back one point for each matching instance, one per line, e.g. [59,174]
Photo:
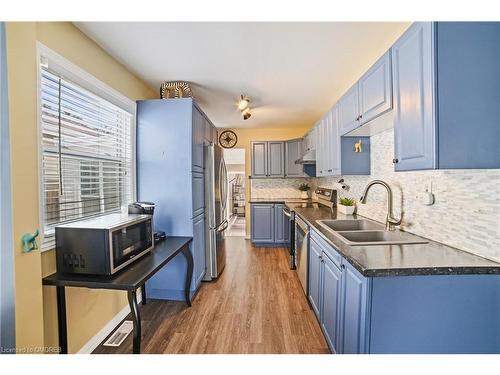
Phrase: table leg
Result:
[143,293]
[189,274]
[136,319]
[61,319]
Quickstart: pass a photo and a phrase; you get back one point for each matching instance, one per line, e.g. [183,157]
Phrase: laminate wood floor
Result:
[256,306]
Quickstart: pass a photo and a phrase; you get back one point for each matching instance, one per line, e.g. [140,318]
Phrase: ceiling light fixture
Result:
[243,106]
[246,113]
[243,103]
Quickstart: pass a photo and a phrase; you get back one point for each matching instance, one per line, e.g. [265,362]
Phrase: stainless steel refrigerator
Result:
[215,207]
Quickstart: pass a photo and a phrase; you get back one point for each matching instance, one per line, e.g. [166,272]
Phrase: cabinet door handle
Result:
[357,118]
[342,266]
[330,170]
[360,116]
[395,161]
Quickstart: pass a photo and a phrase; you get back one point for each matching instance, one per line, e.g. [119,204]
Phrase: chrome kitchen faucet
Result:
[390,221]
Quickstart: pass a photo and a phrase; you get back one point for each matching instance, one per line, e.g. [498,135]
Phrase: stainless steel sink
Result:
[379,237]
[343,225]
[360,232]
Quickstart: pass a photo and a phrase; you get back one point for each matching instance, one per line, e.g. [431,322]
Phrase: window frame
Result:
[77,75]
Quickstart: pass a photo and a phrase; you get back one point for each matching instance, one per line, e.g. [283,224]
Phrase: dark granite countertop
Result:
[279,200]
[431,258]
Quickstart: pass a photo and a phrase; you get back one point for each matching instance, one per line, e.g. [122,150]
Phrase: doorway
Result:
[235,164]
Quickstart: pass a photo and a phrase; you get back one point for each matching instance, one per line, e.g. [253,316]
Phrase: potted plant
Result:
[304,188]
[346,206]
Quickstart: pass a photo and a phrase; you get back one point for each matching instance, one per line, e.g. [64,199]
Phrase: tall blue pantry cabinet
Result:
[170,139]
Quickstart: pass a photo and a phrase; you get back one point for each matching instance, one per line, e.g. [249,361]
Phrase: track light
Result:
[246,113]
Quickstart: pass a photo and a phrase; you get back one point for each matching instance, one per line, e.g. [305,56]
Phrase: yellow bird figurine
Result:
[357,146]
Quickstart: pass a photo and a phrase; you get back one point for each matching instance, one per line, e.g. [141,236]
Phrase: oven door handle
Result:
[286,212]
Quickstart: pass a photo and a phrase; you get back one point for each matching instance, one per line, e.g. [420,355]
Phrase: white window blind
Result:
[86,152]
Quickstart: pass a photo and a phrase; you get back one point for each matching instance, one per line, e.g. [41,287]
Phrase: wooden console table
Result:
[129,279]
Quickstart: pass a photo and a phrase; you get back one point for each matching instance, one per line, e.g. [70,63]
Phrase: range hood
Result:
[309,158]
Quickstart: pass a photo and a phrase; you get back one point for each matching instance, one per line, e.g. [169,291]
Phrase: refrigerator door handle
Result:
[225,182]
[216,227]
[221,188]
[222,226]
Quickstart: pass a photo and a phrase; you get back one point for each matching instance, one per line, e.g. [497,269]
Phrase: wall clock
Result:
[228,139]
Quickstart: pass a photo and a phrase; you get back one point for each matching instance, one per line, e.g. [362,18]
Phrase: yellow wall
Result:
[88,310]
[245,136]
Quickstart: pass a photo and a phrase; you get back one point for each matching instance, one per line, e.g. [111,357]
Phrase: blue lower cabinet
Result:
[315,277]
[434,314]
[354,311]
[437,314]
[269,225]
[262,223]
[331,299]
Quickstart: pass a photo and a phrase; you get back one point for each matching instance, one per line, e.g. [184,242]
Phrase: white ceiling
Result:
[292,72]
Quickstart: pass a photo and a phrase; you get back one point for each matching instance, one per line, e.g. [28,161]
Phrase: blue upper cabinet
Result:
[259,159]
[321,155]
[468,82]
[375,90]
[293,151]
[276,158]
[333,140]
[446,85]
[198,138]
[414,119]
[349,110]
[368,98]
[268,159]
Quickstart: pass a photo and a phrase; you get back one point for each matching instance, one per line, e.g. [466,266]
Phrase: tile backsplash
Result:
[277,188]
[466,212]
[465,215]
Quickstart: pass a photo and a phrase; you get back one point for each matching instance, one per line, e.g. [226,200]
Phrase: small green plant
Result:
[304,187]
[347,202]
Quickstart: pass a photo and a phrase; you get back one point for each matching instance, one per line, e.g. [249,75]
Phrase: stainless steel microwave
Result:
[103,245]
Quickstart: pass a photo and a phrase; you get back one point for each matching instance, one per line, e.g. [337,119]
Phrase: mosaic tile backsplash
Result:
[278,187]
[465,215]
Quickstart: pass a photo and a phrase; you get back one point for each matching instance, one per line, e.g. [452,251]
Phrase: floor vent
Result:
[120,334]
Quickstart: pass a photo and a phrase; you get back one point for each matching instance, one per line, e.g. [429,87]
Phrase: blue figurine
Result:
[29,241]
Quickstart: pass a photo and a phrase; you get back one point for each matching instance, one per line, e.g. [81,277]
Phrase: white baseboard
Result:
[94,342]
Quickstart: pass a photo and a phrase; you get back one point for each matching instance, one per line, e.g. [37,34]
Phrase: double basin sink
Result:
[360,232]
